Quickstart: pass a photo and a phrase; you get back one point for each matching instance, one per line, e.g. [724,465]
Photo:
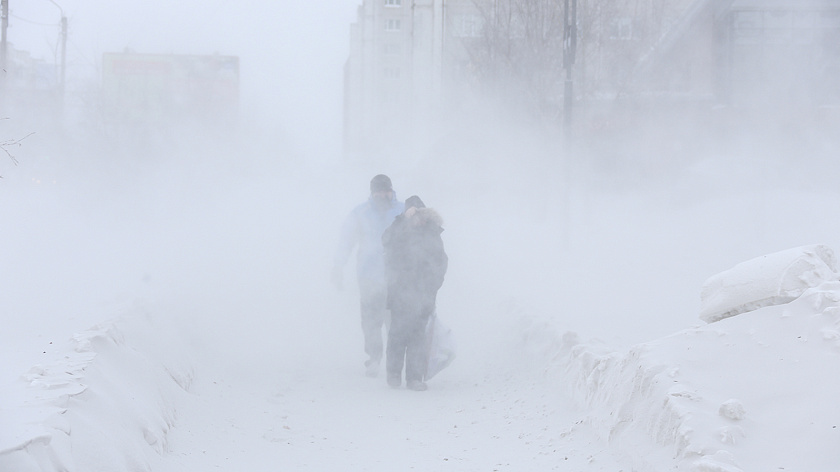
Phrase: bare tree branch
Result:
[519,56]
[4,146]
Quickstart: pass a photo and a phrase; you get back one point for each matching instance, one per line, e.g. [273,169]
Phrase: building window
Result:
[621,28]
[389,96]
[467,26]
[392,3]
[392,25]
[392,73]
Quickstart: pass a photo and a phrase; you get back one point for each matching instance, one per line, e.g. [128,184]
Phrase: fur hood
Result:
[428,215]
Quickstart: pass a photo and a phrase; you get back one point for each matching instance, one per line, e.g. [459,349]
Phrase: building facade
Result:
[401,56]
[748,52]
[411,61]
[787,51]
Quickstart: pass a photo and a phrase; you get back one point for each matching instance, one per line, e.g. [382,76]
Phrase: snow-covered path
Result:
[324,414]
[263,371]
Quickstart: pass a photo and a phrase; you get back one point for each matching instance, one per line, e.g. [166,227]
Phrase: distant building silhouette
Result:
[412,61]
[402,54]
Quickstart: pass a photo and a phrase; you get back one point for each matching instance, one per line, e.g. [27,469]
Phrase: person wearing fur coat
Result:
[415,265]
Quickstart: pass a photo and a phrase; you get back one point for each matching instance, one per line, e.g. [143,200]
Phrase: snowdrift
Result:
[722,397]
[768,280]
[106,404]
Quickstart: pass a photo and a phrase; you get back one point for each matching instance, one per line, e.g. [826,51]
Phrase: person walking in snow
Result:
[415,265]
[362,230]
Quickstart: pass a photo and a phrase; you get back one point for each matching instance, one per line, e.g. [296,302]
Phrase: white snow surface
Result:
[226,349]
[772,279]
[124,395]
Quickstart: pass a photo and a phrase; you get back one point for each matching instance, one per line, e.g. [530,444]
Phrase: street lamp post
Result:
[63,69]
[63,54]
[569,48]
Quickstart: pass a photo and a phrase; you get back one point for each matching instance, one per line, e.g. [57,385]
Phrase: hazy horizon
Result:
[531,225]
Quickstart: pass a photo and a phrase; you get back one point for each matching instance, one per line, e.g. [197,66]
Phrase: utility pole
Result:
[63,56]
[443,31]
[63,68]
[569,48]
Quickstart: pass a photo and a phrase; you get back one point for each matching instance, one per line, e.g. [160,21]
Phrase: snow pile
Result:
[773,279]
[106,404]
[753,392]
[724,396]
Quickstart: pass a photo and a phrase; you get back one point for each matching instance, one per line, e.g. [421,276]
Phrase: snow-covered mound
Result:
[772,279]
[105,404]
[754,392]
[721,397]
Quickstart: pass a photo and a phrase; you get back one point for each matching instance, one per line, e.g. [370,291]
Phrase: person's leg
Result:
[416,354]
[395,352]
[373,313]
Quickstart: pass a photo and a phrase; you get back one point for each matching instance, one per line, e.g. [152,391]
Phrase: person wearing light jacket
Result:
[362,231]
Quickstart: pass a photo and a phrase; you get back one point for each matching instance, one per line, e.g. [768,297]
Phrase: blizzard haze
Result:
[231,239]
[291,52]
[245,227]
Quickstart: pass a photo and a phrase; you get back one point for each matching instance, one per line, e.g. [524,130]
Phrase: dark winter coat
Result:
[415,263]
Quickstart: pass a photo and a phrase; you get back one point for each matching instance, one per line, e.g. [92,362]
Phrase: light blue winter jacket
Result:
[363,228]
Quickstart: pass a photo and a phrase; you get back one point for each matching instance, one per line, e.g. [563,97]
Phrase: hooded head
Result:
[381,183]
[381,192]
[414,202]
[418,214]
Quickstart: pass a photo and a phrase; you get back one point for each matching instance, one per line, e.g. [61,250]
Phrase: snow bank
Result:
[773,279]
[105,404]
[721,397]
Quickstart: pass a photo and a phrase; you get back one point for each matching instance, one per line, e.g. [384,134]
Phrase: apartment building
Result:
[410,57]
[401,56]
[747,52]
